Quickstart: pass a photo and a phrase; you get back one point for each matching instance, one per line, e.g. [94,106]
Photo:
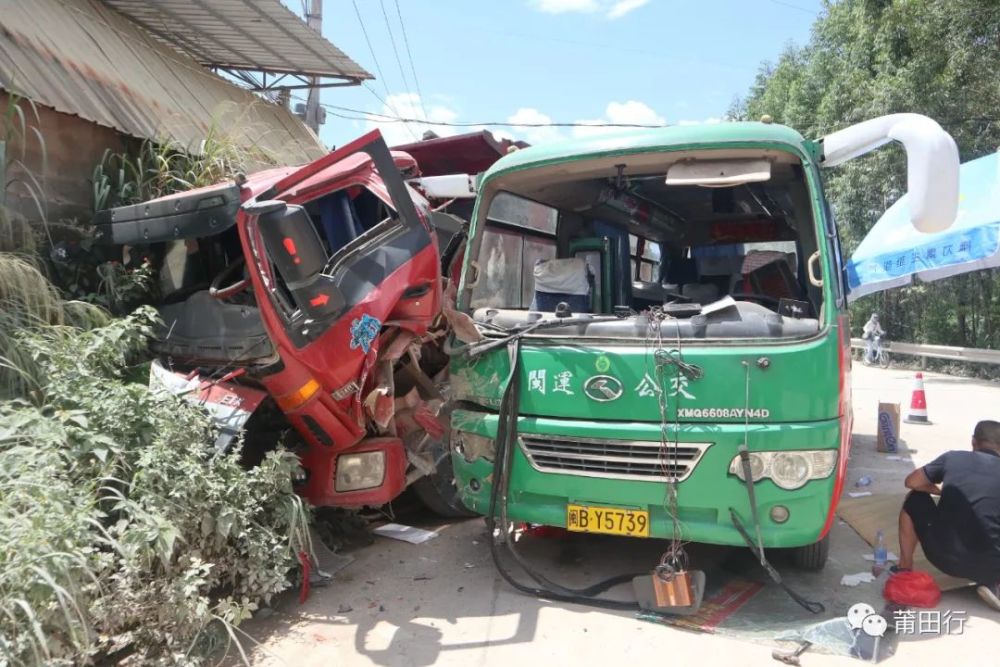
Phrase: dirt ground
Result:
[443,603]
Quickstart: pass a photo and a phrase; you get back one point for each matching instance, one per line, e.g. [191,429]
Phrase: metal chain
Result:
[675,558]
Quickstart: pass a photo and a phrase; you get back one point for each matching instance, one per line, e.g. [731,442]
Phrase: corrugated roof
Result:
[242,34]
[83,58]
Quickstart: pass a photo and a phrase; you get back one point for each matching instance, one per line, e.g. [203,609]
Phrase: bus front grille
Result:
[645,460]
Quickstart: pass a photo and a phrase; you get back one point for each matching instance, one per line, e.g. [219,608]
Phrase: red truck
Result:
[304,304]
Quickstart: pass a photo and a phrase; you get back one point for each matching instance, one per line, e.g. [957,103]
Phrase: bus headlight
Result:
[365,470]
[788,469]
[758,466]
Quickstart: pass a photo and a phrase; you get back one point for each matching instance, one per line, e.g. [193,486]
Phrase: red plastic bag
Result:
[913,589]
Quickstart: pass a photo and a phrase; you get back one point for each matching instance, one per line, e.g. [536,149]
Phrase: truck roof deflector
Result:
[931,162]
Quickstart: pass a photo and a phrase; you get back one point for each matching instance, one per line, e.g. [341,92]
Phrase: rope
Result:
[758,548]
[745,455]
[506,441]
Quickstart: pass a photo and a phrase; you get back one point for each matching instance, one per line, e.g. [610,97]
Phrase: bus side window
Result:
[519,233]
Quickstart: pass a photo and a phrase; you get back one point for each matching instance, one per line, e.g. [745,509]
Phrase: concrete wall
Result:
[62,161]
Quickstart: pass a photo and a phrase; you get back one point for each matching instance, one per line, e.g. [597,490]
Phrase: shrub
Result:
[123,533]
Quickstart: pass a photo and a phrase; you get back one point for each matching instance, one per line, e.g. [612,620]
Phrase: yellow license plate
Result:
[607,520]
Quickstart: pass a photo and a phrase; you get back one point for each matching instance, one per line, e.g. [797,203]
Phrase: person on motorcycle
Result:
[872,332]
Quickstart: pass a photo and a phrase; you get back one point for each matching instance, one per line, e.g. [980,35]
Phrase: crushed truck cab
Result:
[302,305]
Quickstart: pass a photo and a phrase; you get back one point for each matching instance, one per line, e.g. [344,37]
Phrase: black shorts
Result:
[943,546]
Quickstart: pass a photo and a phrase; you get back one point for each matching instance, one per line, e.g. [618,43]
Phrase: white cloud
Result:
[534,135]
[407,105]
[623,7]
[631,112]
[563,6]
[612,9]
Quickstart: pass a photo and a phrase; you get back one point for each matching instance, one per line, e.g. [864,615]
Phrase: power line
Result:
[392,41]
[357,114]
[378,68]
[790,5]
[409,55]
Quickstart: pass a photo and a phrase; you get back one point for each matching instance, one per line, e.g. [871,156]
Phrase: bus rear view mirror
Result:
[718,173]
[931,162]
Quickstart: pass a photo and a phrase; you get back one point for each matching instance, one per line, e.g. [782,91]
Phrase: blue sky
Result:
[631,61]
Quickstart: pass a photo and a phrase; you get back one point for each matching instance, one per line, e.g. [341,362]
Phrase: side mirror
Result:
[931,162]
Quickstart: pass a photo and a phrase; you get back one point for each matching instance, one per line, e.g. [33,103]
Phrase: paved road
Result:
[442,603]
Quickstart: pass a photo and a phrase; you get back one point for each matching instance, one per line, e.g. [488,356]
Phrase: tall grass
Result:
[165,166]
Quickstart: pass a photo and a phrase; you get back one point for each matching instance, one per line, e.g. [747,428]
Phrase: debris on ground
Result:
[398,531]
[856,579]
[859,494]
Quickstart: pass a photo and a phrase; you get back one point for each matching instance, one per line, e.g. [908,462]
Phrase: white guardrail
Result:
[968,354]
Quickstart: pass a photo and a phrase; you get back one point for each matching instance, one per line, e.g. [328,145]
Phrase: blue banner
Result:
[949,249]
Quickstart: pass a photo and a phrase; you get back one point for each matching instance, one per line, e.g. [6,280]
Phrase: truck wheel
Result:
[812,557]
[439,492]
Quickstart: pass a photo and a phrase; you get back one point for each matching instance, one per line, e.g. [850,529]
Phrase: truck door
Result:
[323,277]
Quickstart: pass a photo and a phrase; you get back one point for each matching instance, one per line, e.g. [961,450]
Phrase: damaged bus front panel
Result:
[712,251]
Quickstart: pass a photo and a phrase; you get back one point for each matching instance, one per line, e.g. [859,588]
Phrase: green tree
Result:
[867,58]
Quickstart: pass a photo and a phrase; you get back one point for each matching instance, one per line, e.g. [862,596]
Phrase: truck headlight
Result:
[365,470]
[788,469]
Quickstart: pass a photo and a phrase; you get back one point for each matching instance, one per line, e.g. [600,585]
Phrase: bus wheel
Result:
[812,557]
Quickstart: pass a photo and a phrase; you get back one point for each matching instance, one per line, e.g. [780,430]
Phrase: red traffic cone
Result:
[917,414]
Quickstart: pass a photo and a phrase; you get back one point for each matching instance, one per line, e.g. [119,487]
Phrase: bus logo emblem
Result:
[603,388]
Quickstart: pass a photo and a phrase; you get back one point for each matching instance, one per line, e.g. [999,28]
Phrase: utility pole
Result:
[315,21]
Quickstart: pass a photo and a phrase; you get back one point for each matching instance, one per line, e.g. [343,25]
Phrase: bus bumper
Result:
[704,497]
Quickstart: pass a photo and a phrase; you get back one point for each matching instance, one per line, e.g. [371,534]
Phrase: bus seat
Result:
[766,272]
[562,280]
[702,293]
[681,270]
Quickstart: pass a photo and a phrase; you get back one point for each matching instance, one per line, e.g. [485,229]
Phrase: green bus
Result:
[665,297]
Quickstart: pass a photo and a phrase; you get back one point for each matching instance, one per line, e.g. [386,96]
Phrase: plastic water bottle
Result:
[881,554]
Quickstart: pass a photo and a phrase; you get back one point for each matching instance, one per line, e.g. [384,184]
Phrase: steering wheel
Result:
[762,298]
[218,291]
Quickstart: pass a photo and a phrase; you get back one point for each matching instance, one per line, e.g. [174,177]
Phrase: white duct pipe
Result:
[931,162]
[449,186]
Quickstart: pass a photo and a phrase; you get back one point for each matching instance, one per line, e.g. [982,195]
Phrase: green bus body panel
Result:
[704,498]
[678,137]
[798,384]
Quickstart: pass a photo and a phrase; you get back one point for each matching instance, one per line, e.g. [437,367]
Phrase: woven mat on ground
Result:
[869,514]
[715,608]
